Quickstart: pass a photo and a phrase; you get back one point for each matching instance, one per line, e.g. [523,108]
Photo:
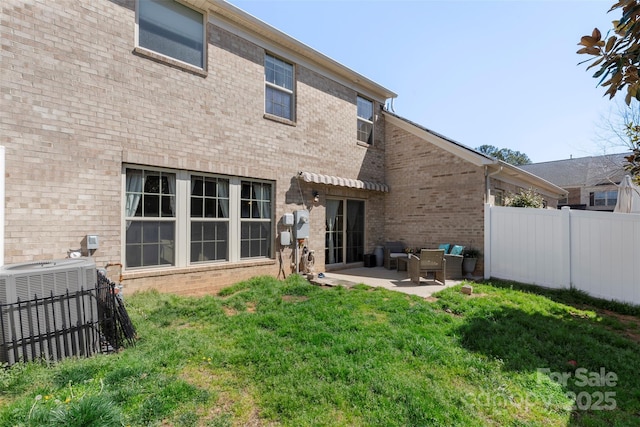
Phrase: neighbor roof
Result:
[583,171]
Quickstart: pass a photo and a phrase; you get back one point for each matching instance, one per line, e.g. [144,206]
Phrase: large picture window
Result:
[172,29]
[365,120]
[177,218]
[279,87]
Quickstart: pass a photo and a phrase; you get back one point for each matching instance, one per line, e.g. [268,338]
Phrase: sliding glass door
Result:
[344,241]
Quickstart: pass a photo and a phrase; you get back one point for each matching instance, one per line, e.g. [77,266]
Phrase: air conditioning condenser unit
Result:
[48,310]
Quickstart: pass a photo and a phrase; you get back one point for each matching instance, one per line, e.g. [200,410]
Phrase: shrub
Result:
[525,199]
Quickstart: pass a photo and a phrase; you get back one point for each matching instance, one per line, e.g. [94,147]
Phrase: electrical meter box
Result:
[92,241]
[301,228]
[287,220]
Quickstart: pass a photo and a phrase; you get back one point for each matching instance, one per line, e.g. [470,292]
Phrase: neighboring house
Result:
[591,182]
[182,133]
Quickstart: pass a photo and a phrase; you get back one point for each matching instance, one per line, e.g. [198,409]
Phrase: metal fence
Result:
[73,324]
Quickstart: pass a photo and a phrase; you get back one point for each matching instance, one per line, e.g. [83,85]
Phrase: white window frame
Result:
[365,120]
[182,234]
[258,220]
[149,219]
[278,88]
[160,55]
[216,219]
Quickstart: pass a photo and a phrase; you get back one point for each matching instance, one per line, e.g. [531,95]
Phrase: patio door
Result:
[344,237]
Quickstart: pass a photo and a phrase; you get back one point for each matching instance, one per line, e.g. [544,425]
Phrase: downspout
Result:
[487,181]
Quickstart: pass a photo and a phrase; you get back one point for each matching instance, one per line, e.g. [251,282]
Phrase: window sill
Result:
[364,144]
[196,268]
[279,119]
[149,54]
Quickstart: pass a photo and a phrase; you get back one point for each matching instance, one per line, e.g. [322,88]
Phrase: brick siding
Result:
[78,102]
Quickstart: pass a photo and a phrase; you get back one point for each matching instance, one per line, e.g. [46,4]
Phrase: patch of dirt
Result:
[250,307]
[294,298]
[631,323]
[233,399]
[431,299]
[477,295]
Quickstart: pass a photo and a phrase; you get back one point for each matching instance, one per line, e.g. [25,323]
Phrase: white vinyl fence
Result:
[596,252]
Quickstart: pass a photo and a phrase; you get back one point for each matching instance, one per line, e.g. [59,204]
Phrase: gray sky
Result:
[503,73]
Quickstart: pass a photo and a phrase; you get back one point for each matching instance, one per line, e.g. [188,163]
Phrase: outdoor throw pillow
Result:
[445,246]
[457,250]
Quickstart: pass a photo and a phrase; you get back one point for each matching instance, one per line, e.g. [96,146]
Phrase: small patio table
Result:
[402,263]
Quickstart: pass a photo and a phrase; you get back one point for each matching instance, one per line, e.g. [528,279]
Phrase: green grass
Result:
[269,352]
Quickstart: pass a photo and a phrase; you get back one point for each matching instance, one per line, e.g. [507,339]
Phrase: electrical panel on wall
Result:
[301,228]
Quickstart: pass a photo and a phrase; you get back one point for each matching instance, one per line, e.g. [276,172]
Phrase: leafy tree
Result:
[512,157]
[525,199]
[618,58]
[633,160]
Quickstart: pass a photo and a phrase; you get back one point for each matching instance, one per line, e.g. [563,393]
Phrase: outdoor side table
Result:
[402,263]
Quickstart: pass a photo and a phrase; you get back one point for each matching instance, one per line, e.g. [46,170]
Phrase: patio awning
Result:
[342,182]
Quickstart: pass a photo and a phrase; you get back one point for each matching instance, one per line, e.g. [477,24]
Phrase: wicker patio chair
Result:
[430,261]
[393,250]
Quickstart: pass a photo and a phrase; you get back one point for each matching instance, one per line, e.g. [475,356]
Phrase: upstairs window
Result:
[279,94]
[171,29]
[365,120]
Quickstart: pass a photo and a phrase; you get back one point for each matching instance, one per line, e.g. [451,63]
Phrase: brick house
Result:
[591,182]
[182,133]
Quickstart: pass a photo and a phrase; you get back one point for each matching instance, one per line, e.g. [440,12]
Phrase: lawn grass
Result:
[269,352]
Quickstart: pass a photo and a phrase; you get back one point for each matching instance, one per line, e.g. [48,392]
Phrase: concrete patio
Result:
[381,277]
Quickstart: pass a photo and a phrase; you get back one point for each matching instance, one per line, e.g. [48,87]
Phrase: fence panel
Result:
[605,254]
[523,246]
[596,252]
